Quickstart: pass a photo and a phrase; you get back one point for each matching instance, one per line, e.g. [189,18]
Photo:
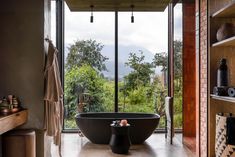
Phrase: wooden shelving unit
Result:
[220,12]
[227,11]
[223,98]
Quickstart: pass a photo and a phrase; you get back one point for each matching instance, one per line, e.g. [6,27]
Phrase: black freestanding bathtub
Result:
[96,126]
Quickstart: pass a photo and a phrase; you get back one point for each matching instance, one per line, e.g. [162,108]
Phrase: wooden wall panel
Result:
[189,71]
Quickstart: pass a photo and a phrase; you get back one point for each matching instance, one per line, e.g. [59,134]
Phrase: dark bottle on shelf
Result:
[222,74]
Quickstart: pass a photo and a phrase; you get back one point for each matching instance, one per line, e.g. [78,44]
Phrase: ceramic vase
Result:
[120,139]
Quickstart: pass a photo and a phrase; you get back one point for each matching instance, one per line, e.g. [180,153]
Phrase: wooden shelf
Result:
[11,121]
[227,11]
[223,98]
[227,42]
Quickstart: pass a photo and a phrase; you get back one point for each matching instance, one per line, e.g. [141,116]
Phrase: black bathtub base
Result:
[96,126]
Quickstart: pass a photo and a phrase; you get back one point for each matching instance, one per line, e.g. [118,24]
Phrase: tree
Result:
[141,71]
[86,52]
[84,83]
[161,59]
[178,58]
[80,81]
[160,92]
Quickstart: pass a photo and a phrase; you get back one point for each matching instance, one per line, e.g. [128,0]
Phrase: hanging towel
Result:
[231,130]
[169,112]
[53,98]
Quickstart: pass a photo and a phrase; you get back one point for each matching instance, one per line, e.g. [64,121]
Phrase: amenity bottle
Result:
[222,74]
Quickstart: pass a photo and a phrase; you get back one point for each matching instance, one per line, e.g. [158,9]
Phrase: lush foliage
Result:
[161,59]
[140,91]
[140,76]
[84,87]
[178,59]
[86,52]
[83,83]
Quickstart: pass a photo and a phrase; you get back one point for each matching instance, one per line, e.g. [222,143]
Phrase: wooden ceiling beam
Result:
[120,5]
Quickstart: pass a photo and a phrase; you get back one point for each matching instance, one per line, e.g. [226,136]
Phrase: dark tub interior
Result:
[96,126]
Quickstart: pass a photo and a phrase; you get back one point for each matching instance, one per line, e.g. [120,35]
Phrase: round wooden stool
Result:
[20,143]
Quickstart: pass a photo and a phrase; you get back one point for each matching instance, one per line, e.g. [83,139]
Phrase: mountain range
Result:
[123,55]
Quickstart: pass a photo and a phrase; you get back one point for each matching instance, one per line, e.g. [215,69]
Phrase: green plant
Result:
[80,82]
[86,52]
[138,92]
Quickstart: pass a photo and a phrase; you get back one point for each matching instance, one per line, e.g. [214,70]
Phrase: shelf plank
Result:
[223,98]
[227,11]
[227,42]
[11,121]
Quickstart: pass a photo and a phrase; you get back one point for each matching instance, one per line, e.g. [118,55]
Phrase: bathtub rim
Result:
[151,115]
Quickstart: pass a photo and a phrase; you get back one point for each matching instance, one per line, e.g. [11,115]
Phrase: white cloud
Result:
[148,31]
[178,21]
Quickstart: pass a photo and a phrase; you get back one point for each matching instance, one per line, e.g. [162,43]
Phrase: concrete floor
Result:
[155,146]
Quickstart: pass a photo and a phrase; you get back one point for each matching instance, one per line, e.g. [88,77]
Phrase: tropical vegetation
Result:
[87,90]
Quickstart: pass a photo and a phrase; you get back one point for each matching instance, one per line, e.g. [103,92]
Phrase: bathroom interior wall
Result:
[24,25]
[0,146]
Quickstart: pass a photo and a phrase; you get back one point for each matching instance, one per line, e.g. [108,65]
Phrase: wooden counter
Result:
[11,121]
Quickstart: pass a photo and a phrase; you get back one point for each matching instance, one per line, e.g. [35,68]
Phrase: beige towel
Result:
[53,97]
[169,109]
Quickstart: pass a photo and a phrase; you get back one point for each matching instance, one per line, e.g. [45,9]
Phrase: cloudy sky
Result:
[149,30]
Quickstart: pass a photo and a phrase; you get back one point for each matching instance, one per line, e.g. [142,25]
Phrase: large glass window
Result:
[88,64]
[89,69]
[178,66]
[141,78]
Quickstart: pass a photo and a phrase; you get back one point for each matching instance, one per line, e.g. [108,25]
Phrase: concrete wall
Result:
[24,25]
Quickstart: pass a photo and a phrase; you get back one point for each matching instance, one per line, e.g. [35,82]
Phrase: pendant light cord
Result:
[92,17]
[132,15]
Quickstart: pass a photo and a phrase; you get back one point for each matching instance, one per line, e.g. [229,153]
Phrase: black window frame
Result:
[60,46]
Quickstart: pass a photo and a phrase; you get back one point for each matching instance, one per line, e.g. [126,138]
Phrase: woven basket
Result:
[225,135]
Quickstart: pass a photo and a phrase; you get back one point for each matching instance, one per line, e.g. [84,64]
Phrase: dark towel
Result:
[231,130]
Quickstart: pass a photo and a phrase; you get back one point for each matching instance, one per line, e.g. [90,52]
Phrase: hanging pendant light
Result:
[132,16]
[92,17]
